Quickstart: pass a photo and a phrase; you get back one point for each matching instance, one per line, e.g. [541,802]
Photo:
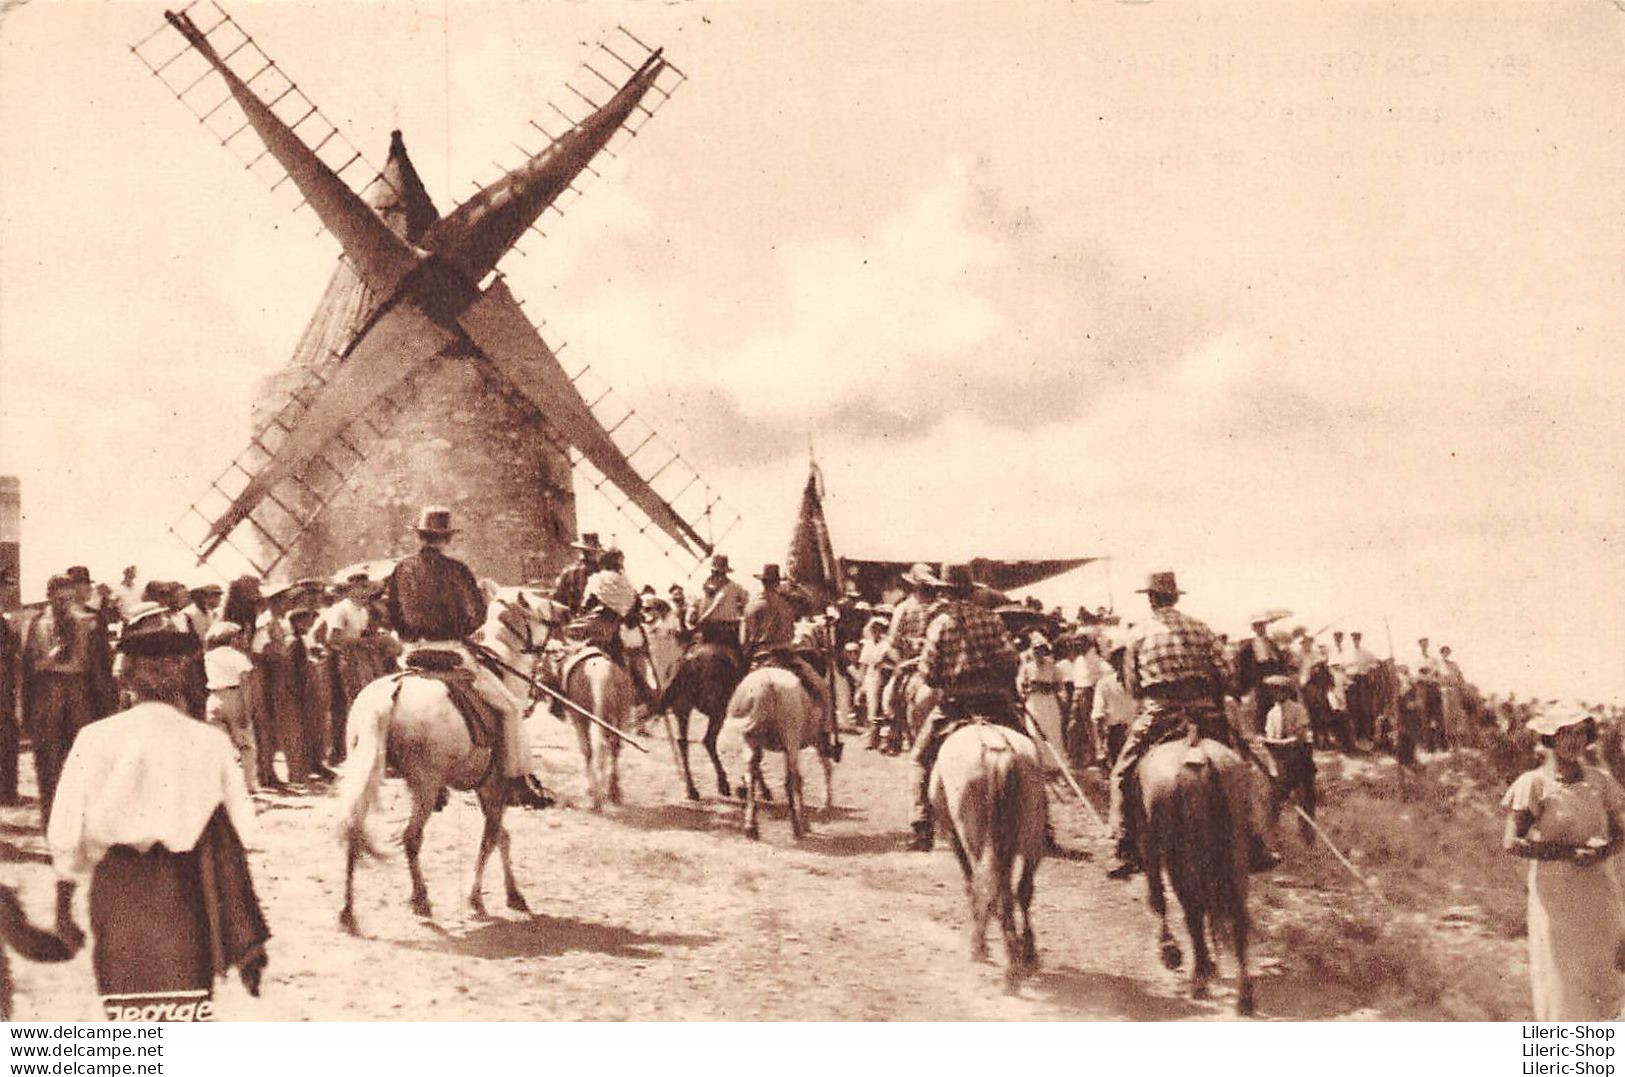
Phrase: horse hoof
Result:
[1245,1006]
[739,793]
[516,902]
[420,906]
[1199,989]
[767,795]
[476,905]
[753,833]
[347,922]
[694,794]
[1171,957]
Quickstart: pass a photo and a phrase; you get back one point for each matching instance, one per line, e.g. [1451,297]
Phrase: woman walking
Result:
[1567,817]
[149,809]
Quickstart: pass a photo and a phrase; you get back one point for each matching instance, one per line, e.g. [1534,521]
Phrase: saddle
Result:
[574,658]
[482,719]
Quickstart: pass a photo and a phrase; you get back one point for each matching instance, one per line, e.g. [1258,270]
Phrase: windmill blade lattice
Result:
[586,91]
[194,83]
[267,535]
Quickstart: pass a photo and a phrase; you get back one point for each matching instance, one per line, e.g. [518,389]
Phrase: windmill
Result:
[419,379]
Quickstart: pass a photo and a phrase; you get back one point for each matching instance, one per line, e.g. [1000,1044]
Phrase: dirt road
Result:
[661,909]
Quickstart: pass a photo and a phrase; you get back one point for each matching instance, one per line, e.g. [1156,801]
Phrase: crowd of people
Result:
[102,678]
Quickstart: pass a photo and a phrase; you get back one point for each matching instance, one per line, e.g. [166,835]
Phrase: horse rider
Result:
[904,638]
[721,608]
[969,664]
[435,604]
[767,636]
[1174,669]
[608,603]
[570,589]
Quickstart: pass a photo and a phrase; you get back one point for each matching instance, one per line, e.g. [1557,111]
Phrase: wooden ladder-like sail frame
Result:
[435,295]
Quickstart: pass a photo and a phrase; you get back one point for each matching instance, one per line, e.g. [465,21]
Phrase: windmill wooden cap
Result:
[435,520]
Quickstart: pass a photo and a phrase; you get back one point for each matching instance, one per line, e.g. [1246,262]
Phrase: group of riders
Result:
[957,662]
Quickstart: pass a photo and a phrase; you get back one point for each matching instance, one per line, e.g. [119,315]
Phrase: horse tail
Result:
[1214,851]
[369,722]
[1009,822]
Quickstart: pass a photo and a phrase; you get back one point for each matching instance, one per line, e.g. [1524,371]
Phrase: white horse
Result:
[988,788]
[411,721]
[779,715]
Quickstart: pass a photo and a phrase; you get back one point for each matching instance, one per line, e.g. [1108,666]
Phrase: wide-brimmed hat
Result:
[59,583]
[588,541]
[958,578]
[435,520]
[1551,722]
[919,575]
[719,563]
[1160,583]
[78,574]
[161,640]
[769,574]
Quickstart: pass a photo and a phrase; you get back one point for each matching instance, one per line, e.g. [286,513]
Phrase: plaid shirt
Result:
[1173,648]
[908,624]
[966,651]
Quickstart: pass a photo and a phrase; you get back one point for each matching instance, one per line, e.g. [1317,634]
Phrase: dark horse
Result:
[704,680]
[1197,822]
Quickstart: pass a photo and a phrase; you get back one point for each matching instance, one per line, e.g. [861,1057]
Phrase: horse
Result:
[988,788]
[779,715]
[596,684]
[412,722]
[704,680]
[1197,826]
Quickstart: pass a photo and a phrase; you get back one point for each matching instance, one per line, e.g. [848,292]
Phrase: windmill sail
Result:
[517,353]
[413,297]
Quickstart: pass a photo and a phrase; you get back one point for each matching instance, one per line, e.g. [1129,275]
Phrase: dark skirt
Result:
[151,926]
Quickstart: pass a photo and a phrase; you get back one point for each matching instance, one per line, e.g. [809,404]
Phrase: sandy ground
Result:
[662,910]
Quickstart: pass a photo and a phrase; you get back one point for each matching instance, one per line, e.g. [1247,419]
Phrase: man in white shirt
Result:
[1113,709]
[607,604]
[1361,666]
[224,663]
[1289,740]
[203,608]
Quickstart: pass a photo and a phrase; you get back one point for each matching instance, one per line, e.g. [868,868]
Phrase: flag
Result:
[811,562]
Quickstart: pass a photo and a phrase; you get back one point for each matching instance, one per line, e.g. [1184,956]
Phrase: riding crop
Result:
[1252,757]
[1037,734]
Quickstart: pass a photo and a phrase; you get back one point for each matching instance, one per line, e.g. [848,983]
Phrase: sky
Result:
[1316,305]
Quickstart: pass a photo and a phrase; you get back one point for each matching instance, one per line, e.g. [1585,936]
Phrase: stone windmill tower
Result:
[419,380]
